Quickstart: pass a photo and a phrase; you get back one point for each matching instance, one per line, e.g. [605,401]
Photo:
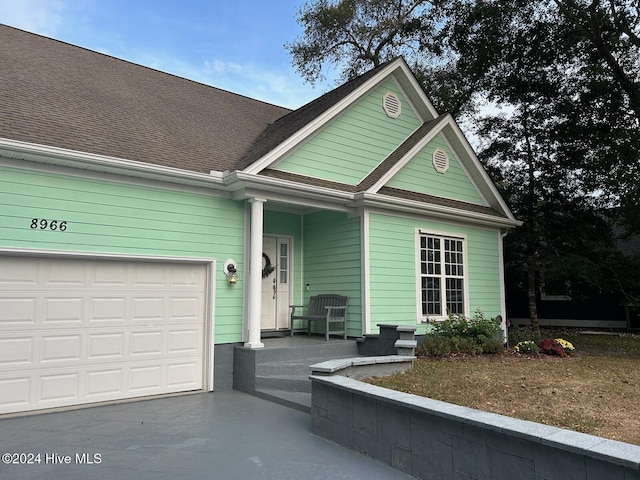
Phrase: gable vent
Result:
[391,104]
[440,160]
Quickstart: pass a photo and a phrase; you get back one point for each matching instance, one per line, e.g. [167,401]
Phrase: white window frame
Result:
[442,236]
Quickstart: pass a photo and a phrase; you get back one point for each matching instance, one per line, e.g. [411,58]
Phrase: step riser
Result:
[273,369]
[302,384]
[304,352]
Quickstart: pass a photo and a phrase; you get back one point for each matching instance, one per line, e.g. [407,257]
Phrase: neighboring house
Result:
[126,192]
[561,304]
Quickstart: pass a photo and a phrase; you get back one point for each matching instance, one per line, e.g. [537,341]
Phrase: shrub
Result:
[493,346]
[436,345]
[526,347]
[459,334]
[478,327]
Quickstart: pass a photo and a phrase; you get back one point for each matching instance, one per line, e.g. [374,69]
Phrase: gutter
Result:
[17,150]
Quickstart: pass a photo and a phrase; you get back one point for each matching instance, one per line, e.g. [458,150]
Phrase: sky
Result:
[233,45]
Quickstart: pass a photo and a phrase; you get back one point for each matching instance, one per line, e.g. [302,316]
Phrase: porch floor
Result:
[280,371]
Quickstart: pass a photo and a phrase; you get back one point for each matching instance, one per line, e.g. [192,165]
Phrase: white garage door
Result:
[80,331]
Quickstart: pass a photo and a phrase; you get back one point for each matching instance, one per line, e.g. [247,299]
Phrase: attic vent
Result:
[391,105]
[440,160]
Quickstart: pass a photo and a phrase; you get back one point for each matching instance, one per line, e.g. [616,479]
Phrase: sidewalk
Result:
[221,435]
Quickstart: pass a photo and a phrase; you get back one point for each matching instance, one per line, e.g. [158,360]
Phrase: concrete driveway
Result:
[220,435]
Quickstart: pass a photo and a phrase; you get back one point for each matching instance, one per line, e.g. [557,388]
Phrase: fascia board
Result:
[242,183]
[45,154]
[367,200]
[408,156]
[416,93]
[406,80]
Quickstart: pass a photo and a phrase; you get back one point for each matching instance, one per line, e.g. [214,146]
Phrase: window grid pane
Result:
[455,296]
[442,270]
[431,304]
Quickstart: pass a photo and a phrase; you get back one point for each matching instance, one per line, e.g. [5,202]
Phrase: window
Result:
[283,263]
[442,285]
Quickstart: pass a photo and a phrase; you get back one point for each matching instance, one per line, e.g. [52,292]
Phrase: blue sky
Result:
[234,45]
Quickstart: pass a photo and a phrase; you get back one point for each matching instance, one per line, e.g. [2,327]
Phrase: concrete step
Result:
[292,367]
[331,349]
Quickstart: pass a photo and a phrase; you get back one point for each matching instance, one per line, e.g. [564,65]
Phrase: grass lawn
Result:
[596,390]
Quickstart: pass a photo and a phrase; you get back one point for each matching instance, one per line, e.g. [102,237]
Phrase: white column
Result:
[255,273]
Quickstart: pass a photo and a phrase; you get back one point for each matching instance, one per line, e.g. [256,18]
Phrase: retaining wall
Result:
[435,440]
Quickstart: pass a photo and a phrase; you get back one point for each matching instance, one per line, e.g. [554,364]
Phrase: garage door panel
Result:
[56,348]
[64,274]
[185,308]
[148,309]
[185,341]
[16,351]
[104,383]
[107,309]
[182,374]
[15,394]
[145,378]
[81,331]
[14,273]
[104,346]
[108,275]
[145,343]
[63,309]
[60,386]
[16,310]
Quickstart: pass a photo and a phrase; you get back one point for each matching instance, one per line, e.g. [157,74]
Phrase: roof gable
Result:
[349,147]
[420,175]
[286,135]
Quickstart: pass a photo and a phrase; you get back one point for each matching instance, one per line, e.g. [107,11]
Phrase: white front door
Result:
[276,282]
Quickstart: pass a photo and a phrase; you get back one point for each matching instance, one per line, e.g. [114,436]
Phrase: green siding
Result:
[393,263]
[351,146]
[419,175]
[332,261]
[123,218]
[289,224]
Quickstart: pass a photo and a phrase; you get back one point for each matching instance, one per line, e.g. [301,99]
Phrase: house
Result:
[564,302]
[128,196]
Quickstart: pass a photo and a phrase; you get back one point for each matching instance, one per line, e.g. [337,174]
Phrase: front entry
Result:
[276,283]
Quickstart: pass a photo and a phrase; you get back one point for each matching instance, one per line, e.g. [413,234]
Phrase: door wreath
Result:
[268,268]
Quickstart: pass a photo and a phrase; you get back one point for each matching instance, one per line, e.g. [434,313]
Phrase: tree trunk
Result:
[531,291]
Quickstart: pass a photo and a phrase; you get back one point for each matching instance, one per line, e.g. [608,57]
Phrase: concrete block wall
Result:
[439,441]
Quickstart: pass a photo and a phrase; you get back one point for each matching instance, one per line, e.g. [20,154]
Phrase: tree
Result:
[566,73]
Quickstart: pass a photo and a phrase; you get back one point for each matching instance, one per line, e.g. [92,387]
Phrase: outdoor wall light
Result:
[231,271]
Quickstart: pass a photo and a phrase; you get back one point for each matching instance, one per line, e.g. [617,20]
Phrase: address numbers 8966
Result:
[44,224]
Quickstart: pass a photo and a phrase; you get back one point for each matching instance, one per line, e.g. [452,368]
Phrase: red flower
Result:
[550,346]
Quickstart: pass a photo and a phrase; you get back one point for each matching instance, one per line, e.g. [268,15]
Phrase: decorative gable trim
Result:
[404,78]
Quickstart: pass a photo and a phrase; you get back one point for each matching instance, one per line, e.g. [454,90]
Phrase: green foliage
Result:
[527,347]
[459,334]
[522,333]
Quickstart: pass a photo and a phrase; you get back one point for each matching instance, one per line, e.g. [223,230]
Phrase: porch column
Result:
[255,273]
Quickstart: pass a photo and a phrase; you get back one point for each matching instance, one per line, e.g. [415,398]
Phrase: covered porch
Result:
[295,252]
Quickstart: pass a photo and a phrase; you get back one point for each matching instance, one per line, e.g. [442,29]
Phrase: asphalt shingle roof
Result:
[53,93]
